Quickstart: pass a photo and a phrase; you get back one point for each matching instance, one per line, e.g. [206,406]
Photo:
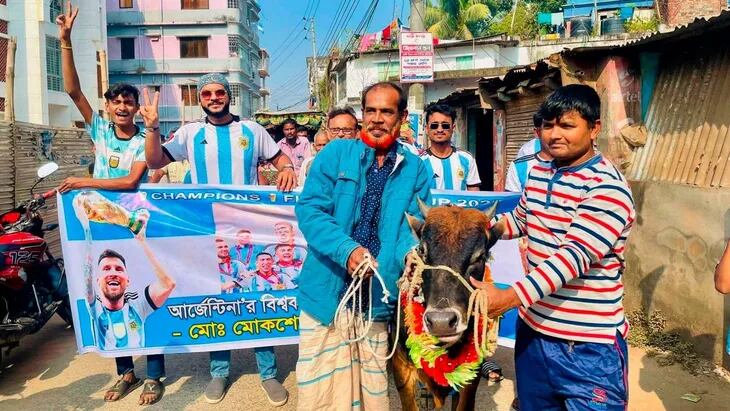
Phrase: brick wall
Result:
[681,12]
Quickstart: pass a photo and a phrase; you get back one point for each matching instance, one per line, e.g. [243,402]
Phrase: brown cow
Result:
[457,238]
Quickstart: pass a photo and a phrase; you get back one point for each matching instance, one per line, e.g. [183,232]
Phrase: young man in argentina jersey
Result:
[451,168]
[245,250]
[223,149]
[119,165]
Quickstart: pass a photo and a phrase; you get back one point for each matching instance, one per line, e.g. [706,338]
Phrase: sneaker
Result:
[216,390]
[275,392]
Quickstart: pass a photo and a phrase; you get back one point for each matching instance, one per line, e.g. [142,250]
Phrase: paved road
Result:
[45,373]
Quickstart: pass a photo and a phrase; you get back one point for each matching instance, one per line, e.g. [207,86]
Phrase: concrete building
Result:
[39,96]
[168,45]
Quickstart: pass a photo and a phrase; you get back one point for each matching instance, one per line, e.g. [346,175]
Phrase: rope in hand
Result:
[355,322]
[478,301]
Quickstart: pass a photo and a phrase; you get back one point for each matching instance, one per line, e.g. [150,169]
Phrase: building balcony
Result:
[174,17]
[189,65]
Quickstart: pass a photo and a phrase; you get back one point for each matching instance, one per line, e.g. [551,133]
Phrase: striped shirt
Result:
[576,220]
[113,156]
[222,154]
[455,172]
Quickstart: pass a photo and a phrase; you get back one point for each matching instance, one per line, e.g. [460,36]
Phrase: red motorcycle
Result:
[32,281]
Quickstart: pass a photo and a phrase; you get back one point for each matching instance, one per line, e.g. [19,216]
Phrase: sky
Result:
[284,38]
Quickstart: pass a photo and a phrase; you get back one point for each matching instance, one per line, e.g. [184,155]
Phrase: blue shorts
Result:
[556,374]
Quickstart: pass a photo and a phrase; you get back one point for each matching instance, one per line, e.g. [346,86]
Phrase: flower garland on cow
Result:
[455,370]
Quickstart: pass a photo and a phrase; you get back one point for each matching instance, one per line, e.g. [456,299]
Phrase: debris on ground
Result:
[691,397]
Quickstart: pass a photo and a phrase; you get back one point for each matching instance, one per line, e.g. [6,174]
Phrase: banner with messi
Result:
[180,268]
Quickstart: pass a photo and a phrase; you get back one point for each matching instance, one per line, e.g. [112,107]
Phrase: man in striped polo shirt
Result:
[222,149]
[451,168]
[570,350]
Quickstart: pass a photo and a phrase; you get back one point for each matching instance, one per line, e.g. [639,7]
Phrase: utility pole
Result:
[315,86]
[416,90]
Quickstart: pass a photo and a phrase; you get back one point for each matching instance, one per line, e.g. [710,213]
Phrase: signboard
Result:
[416,57]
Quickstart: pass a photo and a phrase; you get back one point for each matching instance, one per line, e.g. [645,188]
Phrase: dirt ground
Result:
[46,373]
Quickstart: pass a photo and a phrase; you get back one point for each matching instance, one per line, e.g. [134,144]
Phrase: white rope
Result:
[355,323]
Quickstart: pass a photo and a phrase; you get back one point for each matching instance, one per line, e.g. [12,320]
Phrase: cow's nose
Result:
[441,322]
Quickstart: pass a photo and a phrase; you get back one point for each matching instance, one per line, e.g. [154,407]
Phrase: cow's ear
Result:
[423,207]
[415,224]
[494,233]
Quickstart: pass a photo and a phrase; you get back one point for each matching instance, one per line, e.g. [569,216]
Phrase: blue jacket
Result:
[327,211]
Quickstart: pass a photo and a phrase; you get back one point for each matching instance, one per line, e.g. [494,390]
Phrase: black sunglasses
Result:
[435,126]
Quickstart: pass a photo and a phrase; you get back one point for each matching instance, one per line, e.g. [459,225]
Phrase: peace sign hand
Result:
[65,21]
[149,112]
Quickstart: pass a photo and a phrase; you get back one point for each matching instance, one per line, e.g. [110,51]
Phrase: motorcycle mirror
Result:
[47,169]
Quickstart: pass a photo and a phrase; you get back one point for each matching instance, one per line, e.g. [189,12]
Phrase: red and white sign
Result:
[416,57]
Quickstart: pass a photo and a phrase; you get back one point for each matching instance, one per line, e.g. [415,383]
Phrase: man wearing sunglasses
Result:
[451,168]
[222,149]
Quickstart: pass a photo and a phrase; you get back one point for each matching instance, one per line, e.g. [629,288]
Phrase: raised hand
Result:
[65,21]
[148,111]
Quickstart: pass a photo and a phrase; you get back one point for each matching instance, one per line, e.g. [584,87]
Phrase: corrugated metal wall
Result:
[688,141]
[518,124]
[24,147]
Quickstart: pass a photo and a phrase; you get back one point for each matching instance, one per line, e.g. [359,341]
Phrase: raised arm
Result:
[160,289]
[71,82]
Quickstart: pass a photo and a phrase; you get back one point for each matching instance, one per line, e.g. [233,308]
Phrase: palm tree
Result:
[457,19]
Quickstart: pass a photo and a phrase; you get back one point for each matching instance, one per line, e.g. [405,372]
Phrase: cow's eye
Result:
[478,258]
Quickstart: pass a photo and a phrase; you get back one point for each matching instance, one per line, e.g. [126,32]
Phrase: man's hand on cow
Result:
[358,256]
[499,300]
[411,262]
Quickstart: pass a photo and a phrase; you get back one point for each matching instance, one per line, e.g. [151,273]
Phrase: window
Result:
[233,4]
[193,47]
[234,45]
[235,94]
[189,94]
[126,4]
[127,46]
[53,64]
[56,9]
[99,91]
[193,4]
[465,63]
[387,69]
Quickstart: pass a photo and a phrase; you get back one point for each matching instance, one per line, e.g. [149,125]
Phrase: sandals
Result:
[152,387]
[123,388]
[489,368]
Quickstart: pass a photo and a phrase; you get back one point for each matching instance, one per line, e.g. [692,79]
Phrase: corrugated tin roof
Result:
[701,26]
[688,121]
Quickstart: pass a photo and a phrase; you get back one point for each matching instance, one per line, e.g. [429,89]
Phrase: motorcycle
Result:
[32,281]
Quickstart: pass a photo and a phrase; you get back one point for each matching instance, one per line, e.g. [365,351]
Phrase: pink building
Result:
[169,44]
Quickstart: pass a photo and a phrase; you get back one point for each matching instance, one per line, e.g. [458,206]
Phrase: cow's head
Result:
[459,238]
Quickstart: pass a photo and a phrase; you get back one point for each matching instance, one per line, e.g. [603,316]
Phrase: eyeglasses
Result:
[435,126]
[206,94]
[346,131]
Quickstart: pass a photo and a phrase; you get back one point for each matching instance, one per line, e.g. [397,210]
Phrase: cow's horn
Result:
[492,210]
[423,207]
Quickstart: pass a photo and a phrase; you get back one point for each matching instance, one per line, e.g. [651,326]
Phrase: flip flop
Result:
[153,387]
[491,367]
[123,388]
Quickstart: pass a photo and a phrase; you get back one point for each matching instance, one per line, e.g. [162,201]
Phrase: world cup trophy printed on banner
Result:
[92,206]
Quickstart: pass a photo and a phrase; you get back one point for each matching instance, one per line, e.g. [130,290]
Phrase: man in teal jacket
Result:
[353,207]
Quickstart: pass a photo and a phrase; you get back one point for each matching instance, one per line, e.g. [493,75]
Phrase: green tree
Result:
[525,21]
[457,19]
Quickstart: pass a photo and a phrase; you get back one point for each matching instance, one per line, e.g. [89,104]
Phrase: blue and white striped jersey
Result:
[455,172]
[113,156]
[122,328]
[222,154]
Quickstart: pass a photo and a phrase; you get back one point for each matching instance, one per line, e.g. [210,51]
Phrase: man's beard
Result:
[224,112]
[113,297]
